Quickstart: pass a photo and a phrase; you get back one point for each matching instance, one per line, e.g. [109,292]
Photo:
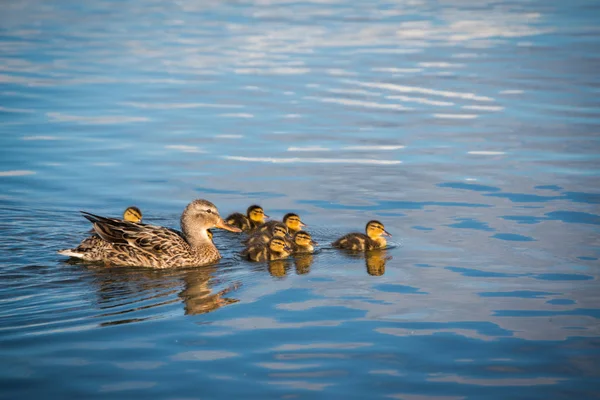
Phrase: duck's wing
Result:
[148,238]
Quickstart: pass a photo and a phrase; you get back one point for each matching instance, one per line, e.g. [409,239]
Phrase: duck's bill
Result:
[302,224]
[287,248]
[386,233]
[223,225]
[266,216]
[314,243]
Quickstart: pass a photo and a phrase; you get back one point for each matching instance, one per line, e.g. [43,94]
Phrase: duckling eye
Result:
[209,211]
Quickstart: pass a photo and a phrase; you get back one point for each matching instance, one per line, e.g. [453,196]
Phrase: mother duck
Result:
[134,244]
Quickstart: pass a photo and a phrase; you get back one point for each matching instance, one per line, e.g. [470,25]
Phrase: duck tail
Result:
[70,253]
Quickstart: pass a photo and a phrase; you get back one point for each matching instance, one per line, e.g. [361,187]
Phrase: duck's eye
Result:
[209,211]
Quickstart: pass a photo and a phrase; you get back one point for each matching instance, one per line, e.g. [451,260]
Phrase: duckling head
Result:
[201,215]
[279,230]
[278,245]
[256,214]
[293,222]
[210,234]
[132,214]
[375,230]
[303,239]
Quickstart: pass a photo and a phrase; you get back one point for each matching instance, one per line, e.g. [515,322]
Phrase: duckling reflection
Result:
[375,261]
[255,217]
[279,268]
[302,262]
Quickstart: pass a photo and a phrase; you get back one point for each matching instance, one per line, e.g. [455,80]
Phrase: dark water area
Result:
[470,129]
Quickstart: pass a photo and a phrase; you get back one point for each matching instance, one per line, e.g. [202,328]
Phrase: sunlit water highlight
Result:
[469,128]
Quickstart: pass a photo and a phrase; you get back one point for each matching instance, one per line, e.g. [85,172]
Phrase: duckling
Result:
[361,242]
[255,217]
[132,214]
[276,249]
[291,220]
[209,234]
[133,244]
[262,237]
[303,242]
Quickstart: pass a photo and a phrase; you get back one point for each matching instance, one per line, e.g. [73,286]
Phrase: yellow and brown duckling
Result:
[303,242]
[361,242]
[278,229]
[255,217]
[132,214]
[128,243]
[291,220]
[276,249]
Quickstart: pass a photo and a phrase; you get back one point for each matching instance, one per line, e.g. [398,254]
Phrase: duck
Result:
[255,217]
[361,242]
[276,249]
[291,220]
[262,237]
[126,243]
[303,242]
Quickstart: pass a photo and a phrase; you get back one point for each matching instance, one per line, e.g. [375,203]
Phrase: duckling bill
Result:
[255,217]
[361,242]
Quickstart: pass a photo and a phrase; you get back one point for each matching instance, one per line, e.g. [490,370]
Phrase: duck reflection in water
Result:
[129,291]
[197,295]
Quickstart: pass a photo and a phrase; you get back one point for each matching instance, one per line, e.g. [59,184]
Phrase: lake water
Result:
[470,129]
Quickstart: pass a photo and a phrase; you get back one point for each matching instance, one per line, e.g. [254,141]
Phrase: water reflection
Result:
[375,261]
[279,268]
[128,292]
[198,296]
[302,262]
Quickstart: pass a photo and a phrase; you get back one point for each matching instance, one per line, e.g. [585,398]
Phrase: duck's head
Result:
[303,238]
[256,214]
[201,215]
[293,222]
[210,234]
[132,214]
[279,230]
[278,245]
[375,229]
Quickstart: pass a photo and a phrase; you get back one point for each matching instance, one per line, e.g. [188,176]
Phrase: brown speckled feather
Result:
[135,244]
[262,252]
[240,221]
[355,241]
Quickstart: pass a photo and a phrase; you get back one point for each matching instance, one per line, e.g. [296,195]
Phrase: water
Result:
[470,130]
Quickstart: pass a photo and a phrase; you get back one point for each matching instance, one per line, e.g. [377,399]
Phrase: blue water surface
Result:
[470,129]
